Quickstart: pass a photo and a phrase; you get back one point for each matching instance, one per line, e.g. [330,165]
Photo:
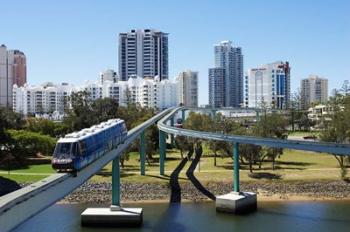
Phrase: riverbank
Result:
[100,193]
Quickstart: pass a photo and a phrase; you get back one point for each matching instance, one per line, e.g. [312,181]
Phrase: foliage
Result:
[46,127]
[23,144]
[8,120]
[271,126]
[183,144]
[337,129]
[26,143]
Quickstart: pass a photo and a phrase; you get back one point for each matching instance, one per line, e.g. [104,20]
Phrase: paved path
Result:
[26,173]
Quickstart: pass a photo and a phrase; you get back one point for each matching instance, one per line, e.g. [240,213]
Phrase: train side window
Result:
[75,149]
[82,147]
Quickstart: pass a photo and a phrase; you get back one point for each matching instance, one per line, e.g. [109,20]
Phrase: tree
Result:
[272,126]
[198,122]
[46,127]
[105,108]
[217,146]
[249,152]
[337,129]
[183,144]
[305,123]
[295,108]
[8,120]
[81,115]
[25,144]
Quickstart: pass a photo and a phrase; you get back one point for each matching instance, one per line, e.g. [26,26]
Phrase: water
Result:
[271,216]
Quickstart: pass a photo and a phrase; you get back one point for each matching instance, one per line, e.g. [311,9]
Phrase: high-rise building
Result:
[216,87]
[5,78]
[143,53]
[12,71]
[268,85]
[313,89]
[187,88]
[230,58]
[19,67]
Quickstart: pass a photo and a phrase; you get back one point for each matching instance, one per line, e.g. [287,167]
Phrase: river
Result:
[271,216]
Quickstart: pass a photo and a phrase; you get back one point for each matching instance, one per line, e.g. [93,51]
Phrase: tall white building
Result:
[143,53]
[49,98]
[187,88]
[267,85]
[314,89]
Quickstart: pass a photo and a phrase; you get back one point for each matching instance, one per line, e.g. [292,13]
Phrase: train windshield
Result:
[67,149]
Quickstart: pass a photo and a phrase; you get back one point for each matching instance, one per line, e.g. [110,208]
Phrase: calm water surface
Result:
[271,216]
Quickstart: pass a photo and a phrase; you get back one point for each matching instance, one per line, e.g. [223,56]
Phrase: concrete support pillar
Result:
[236,201]
[116,182]
[162,150]
[172,140]
[257,116]
[183,115]
[114,215]
[142,152]
[213,113]
[236,167]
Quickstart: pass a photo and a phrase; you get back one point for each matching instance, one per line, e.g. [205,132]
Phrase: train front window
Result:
[67,149]
[63,148]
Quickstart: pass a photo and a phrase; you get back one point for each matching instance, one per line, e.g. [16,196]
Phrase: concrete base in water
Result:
[236,202]
[114,216]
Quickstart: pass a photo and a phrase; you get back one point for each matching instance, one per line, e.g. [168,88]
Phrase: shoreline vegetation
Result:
[100,193]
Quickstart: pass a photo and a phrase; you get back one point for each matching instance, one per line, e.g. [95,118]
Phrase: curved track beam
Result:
[332,148]
[18,206]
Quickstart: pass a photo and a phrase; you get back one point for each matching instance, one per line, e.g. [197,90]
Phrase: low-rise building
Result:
[48,98]
[45,98]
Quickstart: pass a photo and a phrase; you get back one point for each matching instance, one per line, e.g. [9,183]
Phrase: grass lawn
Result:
[303,133]
[42,168]
[293,165]
[24,178]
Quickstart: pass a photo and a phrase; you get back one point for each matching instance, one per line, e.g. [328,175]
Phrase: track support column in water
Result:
[162,150]
[142,152]
[116,182]
[236,167]
[236,201]
[115,214]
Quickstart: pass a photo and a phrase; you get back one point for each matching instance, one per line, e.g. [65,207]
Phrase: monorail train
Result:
[78,149]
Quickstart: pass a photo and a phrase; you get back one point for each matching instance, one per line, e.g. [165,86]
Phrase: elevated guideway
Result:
[237,201]
[24,203]
[332,148]
[20,205]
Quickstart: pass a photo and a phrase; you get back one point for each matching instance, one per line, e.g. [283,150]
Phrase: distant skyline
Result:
[72,41]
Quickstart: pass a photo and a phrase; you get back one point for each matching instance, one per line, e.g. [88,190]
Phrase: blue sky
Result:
[71,41]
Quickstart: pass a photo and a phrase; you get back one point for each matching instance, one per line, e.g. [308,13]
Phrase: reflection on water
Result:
[271,216]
